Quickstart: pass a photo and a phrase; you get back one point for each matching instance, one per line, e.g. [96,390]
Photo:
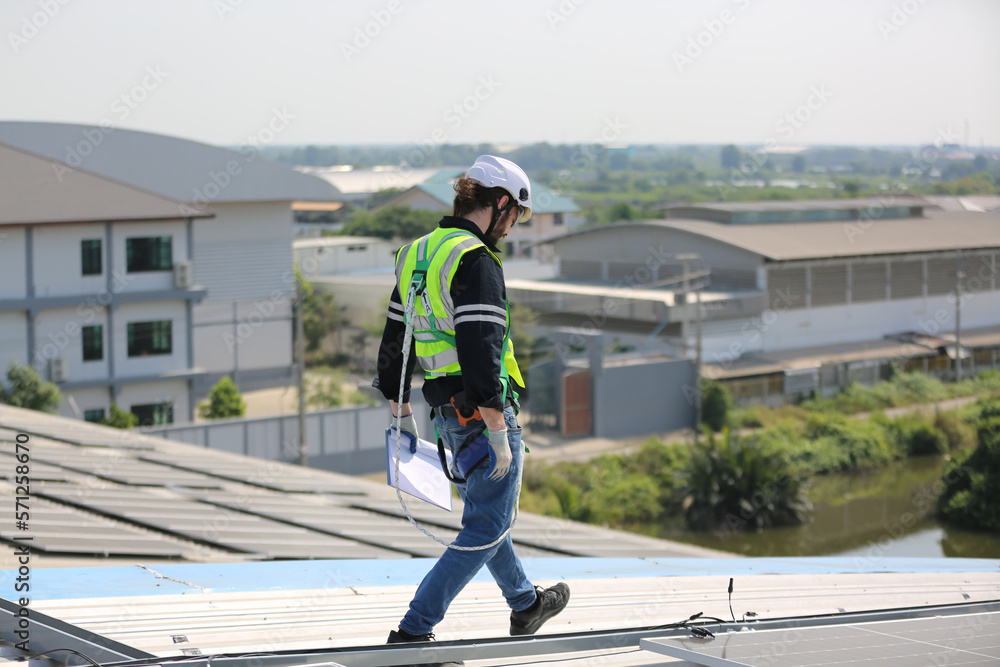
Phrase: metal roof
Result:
[370,181]
[543,200]
[179,169]
[898,347]
[37,190]
[804,204]
[789,241]
[327,241]
[319,608]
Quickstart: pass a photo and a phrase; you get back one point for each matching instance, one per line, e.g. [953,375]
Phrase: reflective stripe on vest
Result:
[435,342]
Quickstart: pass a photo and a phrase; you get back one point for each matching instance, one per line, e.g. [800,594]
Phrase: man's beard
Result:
[499,231]
[495,236]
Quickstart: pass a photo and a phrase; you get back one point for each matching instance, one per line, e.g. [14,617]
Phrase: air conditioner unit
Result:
[183,275]
[57,370]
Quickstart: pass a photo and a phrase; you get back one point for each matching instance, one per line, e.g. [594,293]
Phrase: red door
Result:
[576,404]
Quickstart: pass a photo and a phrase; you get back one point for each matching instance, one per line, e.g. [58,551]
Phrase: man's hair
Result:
[471,196]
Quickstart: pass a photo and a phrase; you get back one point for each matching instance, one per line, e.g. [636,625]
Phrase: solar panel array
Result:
[961,639]
[99,490]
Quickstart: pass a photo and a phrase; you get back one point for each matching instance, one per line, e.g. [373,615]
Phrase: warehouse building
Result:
[801,296]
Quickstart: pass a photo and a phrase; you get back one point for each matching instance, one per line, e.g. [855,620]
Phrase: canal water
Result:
[888,513]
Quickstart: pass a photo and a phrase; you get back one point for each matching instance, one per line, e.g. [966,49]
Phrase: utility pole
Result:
[697,367]
[300,345]
[959,276]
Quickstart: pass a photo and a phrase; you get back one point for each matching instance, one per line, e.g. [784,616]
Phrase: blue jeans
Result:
[489,508]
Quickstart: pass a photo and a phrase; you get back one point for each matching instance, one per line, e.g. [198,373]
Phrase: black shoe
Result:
[403,637]
[550,602]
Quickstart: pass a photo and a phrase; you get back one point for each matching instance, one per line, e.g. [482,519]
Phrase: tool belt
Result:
[460,410]
[471,453]
[476,447]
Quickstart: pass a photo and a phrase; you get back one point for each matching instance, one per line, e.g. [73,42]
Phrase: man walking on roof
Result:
[461,322]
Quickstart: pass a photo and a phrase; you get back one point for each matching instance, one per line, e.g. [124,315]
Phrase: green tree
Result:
[28,390]
[522,319]
[716,404]
[737,485]
[224,400]
[971,495]
[731,156]
[392,222]
[621,211]
[118,418]
[322,314]
[851,189]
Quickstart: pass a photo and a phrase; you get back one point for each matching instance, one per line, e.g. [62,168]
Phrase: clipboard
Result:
[420,472]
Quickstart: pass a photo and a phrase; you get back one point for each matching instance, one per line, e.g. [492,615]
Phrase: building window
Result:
[90,257]
[154,414]
[149,338]
[557,219]
[96,415]
[93,343]
[149,253]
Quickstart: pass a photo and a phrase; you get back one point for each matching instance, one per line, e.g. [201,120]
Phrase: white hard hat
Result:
[498,172]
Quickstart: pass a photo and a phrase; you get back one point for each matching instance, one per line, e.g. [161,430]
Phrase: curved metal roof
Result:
[939,231]
[179,169]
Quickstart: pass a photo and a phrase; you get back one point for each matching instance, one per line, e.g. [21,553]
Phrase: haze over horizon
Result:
[855,72]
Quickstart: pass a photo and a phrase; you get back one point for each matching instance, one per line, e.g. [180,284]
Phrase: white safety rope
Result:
[407,336]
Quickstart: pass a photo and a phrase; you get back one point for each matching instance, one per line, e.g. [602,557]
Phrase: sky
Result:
[749,72]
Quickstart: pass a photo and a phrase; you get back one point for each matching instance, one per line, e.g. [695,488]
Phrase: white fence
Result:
[348,440]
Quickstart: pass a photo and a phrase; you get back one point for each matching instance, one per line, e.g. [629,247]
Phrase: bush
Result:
[224,400]
[28,390]
[860,444]
[118,418]
[612,489]
[958,433]
[915,434]
[761,416]
[665,464]
[971,494]
[736,485]
[902,389]
[716,404]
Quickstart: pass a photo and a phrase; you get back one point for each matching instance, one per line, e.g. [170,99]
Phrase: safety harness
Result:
[417,289]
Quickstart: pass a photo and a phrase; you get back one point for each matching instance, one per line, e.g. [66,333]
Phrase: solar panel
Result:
[59,529]
[317,513]
[207,524]
[960,639]
[257,472]
[110,464]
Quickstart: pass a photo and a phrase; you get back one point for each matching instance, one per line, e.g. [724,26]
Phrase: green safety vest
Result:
[424,271]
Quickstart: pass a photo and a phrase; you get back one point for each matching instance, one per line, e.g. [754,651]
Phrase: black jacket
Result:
[478,281]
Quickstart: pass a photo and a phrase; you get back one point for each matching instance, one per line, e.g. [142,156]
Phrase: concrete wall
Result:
[346,440]
[13,338]
[57,259]
[14,263]
[338,256]
[778,329]
[643,398]
[243,257]
[59,333]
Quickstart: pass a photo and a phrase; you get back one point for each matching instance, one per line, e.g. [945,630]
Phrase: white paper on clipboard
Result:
[420,473]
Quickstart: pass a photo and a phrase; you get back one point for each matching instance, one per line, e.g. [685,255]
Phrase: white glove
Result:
[500,456]
[409,424]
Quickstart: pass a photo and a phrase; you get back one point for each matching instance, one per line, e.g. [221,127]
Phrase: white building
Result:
[204,216]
